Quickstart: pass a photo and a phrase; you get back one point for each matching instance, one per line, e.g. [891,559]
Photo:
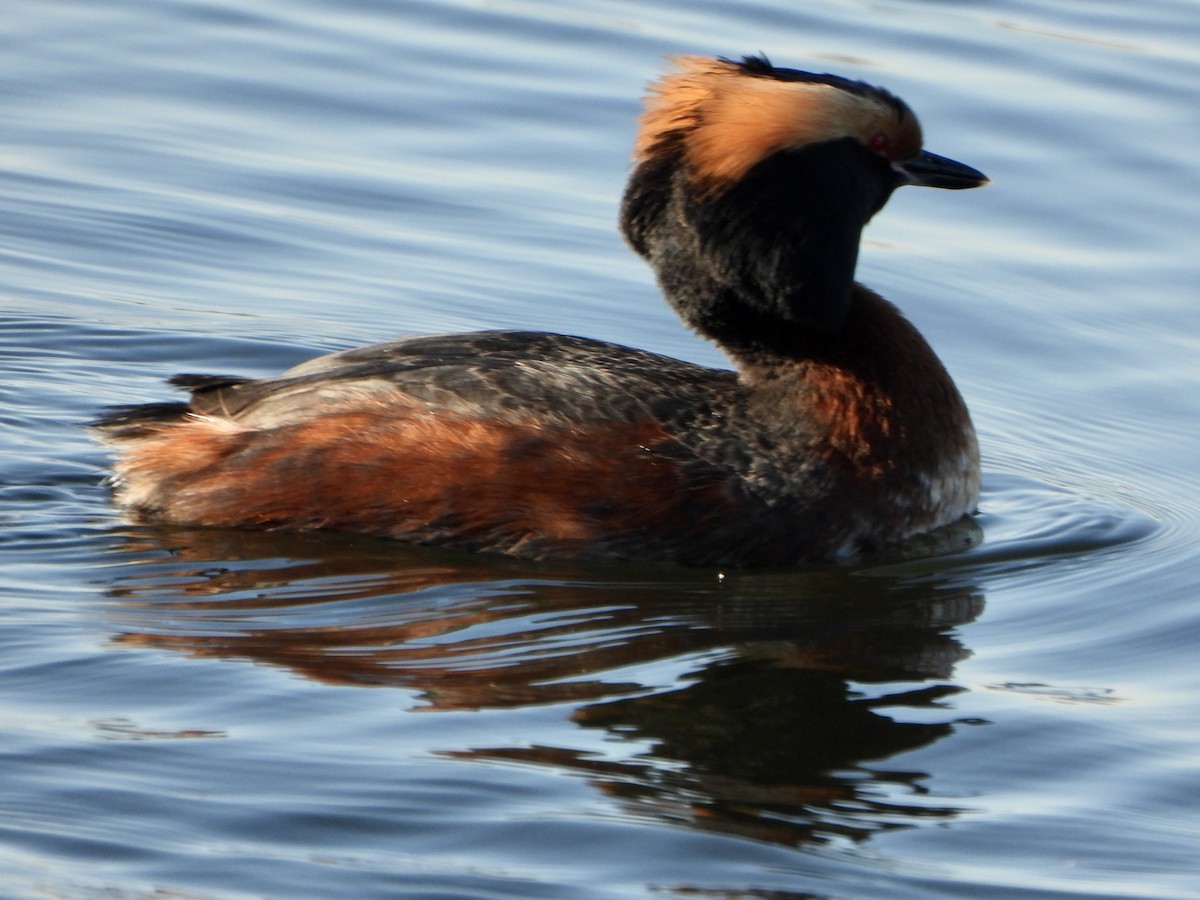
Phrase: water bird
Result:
[837,432]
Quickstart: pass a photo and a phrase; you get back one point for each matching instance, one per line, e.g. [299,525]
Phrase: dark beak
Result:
[930,170]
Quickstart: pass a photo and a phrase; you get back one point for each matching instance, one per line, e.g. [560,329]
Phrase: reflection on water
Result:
[796,686]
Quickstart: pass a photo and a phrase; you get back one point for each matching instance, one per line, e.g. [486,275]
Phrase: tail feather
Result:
[119,423]
[195,383]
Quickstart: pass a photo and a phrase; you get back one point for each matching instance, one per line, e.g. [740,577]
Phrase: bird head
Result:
[752,185]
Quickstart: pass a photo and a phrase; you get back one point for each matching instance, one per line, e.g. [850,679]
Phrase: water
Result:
[213,187]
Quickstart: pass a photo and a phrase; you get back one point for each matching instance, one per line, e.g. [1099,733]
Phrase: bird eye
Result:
[880,143]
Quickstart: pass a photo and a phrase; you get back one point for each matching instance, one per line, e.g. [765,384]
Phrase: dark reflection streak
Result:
[765,737]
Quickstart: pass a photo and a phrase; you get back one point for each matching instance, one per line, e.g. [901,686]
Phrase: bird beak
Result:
[930,170]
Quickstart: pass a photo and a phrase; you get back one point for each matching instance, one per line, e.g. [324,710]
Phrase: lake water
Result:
[212,186]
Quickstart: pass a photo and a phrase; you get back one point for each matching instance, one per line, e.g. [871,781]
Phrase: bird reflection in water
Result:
[797,690]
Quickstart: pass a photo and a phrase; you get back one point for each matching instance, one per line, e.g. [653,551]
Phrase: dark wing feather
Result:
[504,375]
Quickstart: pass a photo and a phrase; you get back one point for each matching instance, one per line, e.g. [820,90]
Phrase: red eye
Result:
[879,143]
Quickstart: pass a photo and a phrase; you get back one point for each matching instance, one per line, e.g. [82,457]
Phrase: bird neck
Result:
[878,404]
[765,268]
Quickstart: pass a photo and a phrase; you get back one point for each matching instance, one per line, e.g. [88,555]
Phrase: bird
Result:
[835,433]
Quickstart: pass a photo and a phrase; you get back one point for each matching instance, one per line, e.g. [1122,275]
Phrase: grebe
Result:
[840,432]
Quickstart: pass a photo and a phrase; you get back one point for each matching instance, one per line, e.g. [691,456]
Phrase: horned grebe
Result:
[839,432]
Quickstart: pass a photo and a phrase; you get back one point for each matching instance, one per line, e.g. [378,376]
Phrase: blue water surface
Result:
[212,186]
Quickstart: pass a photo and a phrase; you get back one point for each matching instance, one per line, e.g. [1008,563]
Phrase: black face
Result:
[788,232]
[772,253]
